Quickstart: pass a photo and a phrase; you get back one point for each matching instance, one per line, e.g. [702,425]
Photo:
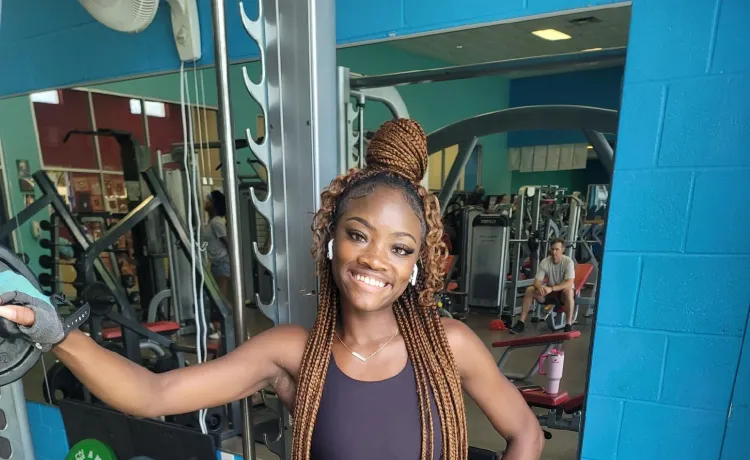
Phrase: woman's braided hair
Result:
[397,158]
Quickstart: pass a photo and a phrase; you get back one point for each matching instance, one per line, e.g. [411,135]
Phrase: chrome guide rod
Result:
[229,173]
[550,62]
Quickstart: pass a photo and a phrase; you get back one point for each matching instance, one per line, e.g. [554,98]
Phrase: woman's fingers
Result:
[19,315]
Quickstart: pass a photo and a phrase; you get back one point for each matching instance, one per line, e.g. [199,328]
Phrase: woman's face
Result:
[375,246]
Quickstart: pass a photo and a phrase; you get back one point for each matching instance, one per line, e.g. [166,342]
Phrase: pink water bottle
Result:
[553,369]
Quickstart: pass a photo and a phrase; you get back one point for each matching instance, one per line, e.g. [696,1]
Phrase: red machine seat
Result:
[583,271]
[544,339]
[159,327]
[540,398]
[574,404]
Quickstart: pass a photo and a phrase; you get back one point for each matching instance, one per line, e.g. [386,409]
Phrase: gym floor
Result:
[562,446]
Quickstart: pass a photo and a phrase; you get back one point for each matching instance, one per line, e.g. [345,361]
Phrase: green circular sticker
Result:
[91,449]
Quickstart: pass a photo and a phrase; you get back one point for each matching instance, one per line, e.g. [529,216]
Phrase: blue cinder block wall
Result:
[671,360]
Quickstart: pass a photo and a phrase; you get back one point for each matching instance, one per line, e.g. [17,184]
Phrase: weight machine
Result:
[531,232]
[103,293]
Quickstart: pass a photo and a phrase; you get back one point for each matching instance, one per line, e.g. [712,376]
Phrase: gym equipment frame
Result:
[297,87]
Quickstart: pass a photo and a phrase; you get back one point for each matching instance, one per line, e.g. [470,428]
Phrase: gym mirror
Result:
[521,119]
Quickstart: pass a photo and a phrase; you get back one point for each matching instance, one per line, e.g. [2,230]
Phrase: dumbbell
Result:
[45,279]
[46,225]
[134,298]
[48,261]
[128,281]
[46,243]
[100,298]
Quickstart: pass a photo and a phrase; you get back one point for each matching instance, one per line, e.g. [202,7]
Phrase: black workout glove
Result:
[48,329]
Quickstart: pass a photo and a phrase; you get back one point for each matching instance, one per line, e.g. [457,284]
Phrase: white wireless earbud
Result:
[413,279]
[330,249]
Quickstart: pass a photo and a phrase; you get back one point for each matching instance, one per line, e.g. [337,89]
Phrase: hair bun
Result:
[400,147]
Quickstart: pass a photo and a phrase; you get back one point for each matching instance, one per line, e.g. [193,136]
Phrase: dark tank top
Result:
[371,420]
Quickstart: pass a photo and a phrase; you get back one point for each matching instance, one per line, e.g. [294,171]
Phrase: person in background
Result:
[560,272]
[214,234]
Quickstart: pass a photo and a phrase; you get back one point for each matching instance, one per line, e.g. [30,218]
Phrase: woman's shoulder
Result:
[289,340]
[292,335]
[462,340]
[457,332]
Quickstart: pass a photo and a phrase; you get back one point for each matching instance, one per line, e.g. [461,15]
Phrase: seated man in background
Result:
[559,270]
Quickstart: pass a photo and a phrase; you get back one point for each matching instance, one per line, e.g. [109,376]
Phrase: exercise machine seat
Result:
[583,271]
[574,404]
[544,339]
[540,398]
[159,327]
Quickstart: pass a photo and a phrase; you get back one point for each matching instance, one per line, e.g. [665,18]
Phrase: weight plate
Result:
[17,355]
[91,449]
[61,384]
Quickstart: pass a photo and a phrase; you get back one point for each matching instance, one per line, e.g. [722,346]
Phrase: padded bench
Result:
[158,327]
[548,341]
[555,404]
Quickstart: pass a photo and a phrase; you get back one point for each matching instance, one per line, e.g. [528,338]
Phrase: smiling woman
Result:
[380,375]
[356,395]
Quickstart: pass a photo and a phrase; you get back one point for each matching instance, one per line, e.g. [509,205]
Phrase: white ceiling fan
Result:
[133,16]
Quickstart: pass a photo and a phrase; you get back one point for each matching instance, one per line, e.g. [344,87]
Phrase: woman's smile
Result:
[369,282]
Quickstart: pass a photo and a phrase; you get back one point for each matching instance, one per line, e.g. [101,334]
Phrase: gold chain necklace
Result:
[360,357]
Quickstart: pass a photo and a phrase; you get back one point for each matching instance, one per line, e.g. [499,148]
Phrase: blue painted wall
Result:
[670,331]
[45,39]
[674,302]
[595,88]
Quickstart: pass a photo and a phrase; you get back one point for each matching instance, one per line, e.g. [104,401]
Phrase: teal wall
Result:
[439,104]
[434,105]
[19,142]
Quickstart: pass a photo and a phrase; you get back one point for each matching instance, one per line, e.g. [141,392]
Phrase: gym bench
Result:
[158,327]
[557,405]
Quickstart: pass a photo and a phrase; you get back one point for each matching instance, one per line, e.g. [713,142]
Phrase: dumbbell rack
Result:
[159,201]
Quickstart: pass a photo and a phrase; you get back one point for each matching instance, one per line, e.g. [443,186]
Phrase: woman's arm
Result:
[500,401]
[135,390]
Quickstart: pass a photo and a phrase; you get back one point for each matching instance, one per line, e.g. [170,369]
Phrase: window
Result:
[114,112]
[46,97]
[54,120]
[439,165]
[153,108]
[97,159]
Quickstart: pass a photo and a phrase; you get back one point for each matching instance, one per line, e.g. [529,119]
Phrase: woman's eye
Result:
[403,251]
[356,236]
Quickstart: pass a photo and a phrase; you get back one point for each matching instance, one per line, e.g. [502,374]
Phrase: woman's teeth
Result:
[370,281]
